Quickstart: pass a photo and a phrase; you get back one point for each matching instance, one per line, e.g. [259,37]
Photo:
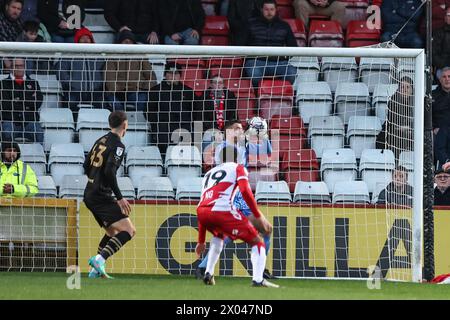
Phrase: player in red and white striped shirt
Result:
[217,214]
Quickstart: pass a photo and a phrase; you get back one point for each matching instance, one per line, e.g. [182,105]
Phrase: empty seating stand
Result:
[155,188]
[33,155]
[65,159]
[47,187]
[272,191]
[215,31]
[325,132]
[352,99]
[308,69]
[339,69]
[380,98]
[311,192]
[126,187]
[298,29]
[301,165]
[275,97]
[285,9]
[137,132]
[189,188]
[50,88]
[314,99]
[375,167]
[376,71]
[360,35]
[362,133]
[58,126]
[288,132]
[226,67]
[191,69]
[325,34]
[182,162]
[355,10]
[351,192]
[91,125]
[73,186]
[143,162]
[338,165]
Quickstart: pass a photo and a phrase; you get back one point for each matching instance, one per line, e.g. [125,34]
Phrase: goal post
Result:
[338,233]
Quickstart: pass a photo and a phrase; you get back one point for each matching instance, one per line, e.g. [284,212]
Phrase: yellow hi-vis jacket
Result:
[21,176]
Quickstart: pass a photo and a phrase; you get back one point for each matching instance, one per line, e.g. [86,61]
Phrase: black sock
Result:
[103,243]
[114,244]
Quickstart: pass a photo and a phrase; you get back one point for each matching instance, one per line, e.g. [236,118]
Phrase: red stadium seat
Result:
[288,142]
[246,109]
[216,25]
[286,12]
[288,125]
[291,177]
[285,3]
[359,35]
[225,62]
[215,32]
[272,107]
[241,88]
[198,85]
[377,2]
[275,89]
[318,17]
[209,6]
[225,73]
[299,160]
[190,62]
[299,31]
[192,74]
[325,34]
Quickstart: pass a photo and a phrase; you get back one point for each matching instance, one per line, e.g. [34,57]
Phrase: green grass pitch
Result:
[53,286]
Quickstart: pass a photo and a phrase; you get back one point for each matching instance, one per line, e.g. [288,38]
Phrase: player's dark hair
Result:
[116,119]
[228,154]
[31,26]
[229,123]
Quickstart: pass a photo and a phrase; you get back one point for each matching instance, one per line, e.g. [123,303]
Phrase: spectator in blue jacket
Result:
[82,78]
[395,14]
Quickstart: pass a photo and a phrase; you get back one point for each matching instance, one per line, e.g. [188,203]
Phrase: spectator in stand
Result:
[17,179]
[20,100]
[128,82]
[30,32]
[181,21]
[438,7]
[137,16]
[10,21]
[269,30]
[395,14]
[332,8]
[441,190]
[398,192]
[54,14]
[397,133]
[441,44]
[239,13]
[216,106]
[81,78]
[170,108]
[441,100]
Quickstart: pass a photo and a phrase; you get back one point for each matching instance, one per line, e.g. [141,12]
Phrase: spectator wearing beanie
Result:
[128,82]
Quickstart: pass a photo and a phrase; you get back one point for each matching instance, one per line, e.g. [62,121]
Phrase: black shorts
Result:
[106,211]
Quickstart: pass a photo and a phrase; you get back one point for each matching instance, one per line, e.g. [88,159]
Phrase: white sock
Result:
[99,258]
[258,258]
[215,248]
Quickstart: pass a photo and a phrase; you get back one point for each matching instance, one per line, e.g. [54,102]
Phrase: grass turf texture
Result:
[53,286]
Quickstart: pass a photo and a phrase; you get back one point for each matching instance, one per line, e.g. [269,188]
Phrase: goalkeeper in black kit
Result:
[101,166]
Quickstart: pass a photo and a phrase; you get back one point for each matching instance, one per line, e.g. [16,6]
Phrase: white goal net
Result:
[332,139]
